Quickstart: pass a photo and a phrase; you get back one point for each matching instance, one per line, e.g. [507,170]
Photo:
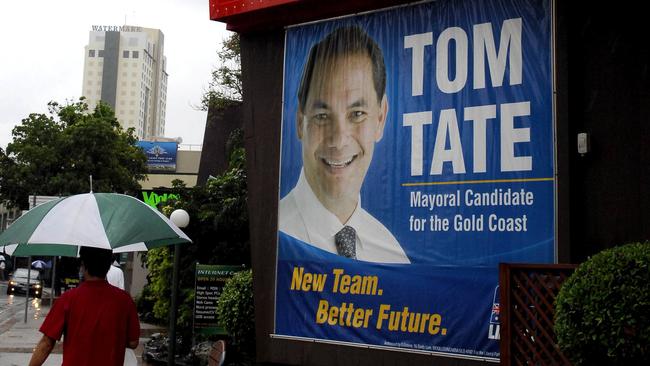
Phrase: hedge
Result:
[603,310]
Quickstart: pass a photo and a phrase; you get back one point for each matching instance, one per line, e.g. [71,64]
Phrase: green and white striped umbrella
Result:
[102,220]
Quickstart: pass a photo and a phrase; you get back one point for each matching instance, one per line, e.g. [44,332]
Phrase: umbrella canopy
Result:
[102,220]
[39,264]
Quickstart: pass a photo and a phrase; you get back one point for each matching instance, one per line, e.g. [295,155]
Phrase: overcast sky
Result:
[42,57]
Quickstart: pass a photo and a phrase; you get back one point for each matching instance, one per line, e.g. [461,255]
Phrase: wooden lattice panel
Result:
[528,295]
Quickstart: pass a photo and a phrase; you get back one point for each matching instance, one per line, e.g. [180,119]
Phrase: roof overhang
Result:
[258,15]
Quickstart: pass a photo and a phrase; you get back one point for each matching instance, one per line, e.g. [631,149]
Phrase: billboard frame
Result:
[554,139]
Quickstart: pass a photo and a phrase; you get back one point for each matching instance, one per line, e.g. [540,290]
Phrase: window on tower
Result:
[125,54]
[91,53]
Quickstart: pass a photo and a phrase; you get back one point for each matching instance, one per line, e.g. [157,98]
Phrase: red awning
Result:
[223,9]
[256,15]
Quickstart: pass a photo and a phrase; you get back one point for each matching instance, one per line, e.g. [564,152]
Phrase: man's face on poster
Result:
[339,126]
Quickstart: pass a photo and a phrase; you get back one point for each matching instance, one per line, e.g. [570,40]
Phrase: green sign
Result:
[209,283]
[153,199]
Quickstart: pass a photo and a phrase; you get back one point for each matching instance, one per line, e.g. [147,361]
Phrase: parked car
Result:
[18,283]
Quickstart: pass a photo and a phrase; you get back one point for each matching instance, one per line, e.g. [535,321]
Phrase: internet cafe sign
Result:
[116,28]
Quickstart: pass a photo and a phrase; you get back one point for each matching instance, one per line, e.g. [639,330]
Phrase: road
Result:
[12,304]
[17,338]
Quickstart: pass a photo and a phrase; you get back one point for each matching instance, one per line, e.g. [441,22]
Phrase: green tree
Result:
[56,153]
[225,87]
[218,209]
[236,312]
[219,231]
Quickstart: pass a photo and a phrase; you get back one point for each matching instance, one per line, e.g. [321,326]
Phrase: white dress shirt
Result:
[115,277]
[305,218]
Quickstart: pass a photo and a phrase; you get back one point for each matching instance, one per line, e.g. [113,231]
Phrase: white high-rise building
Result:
[126,68]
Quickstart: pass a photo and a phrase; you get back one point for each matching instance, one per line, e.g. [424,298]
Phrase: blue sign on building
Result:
[161,156]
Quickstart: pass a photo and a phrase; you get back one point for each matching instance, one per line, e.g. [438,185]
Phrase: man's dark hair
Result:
[96,261]
[344,41]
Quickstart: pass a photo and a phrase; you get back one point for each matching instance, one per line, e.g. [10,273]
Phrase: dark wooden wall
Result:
[607,64]
[218,127]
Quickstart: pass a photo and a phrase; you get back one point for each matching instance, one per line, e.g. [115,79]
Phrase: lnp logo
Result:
[495,316]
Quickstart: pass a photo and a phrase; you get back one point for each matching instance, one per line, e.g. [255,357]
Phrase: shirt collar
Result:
[317,217]
[94,283]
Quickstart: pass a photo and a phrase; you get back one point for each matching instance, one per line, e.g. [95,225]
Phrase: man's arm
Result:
[42,351]
[132,344]
[133,337]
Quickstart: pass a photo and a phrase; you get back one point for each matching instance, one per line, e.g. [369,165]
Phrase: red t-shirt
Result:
[98,320]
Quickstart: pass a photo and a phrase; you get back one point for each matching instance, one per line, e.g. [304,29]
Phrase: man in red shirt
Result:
[99,321]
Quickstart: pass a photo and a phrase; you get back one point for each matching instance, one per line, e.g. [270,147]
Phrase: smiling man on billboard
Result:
[342,109]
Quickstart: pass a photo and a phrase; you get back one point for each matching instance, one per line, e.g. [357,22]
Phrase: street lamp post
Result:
[181,219]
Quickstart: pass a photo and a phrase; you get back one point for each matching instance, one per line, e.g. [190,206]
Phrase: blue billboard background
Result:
[456,224]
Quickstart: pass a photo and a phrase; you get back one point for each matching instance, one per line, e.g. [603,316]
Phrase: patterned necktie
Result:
[346,242]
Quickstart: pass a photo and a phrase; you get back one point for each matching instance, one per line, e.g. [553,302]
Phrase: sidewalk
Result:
[18,339]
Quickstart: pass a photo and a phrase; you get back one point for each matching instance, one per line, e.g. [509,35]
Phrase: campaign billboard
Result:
[161,156]
[417,154]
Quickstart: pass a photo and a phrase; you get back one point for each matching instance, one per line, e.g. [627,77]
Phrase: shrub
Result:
[602,314]
[235,310]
